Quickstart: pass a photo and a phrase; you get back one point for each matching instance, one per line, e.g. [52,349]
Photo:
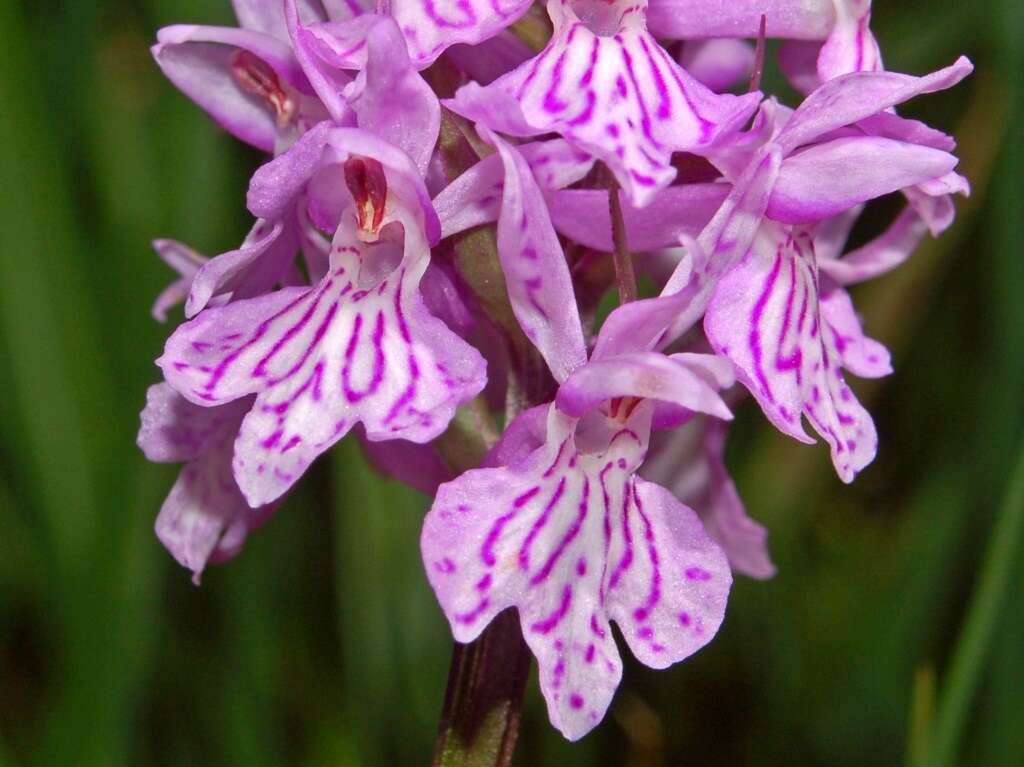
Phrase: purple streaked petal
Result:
[859,354]
[358,347]
[431,26]
[572,539]
[850,46]
[536,272]
[390,98]
[824,180]
[654,323]
[696,19]
[880,255]
[607,87]
[853,97]
[677,380]
[722,243]
[765,317]
[690,461]
[253,269]
[718,63]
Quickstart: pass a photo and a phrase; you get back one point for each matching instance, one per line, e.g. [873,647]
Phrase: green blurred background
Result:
[321,644]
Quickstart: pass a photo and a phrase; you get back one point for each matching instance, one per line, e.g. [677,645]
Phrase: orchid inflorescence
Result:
[432,248]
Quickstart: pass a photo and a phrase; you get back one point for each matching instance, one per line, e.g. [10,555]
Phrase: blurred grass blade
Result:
[922,714]
[982,618]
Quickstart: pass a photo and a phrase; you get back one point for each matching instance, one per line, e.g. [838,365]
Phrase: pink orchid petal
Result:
[849,98]
[583,215]
[826,179]
[891,125]
[199,61]
[677,380]
[431,26]
[474,198]
[690,461]
[173,430]
[765,317]
[267,16]
[935,205]
[722,243]
[327,81]
[487,61]
[391,100]
[574,540]
[253,269]
[798,60]
[204,518]
[536,273]
[418,466]
[880,255]
[718,63]
[695,19]
[859,354]
[186,262]
[277,184]
[850,46]
[606,86]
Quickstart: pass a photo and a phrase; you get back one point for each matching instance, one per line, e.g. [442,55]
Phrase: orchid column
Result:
[443,210]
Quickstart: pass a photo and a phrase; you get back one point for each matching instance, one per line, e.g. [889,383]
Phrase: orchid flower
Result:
[358,347]
[607,496]
[566,532]
[608,88]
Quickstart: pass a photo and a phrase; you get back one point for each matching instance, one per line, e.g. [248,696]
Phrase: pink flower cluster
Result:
[351,304]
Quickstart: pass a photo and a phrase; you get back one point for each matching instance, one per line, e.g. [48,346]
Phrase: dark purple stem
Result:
[480,720]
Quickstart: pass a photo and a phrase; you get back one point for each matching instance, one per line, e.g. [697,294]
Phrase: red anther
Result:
[253,75]
[369,187]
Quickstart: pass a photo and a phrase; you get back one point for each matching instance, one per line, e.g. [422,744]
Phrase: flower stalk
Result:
[480,719]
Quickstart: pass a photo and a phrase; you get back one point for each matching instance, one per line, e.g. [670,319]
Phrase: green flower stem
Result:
[982,619]
[480,719]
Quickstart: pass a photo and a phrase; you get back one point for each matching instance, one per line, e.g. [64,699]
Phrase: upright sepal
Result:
[536,273]
[390,98]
